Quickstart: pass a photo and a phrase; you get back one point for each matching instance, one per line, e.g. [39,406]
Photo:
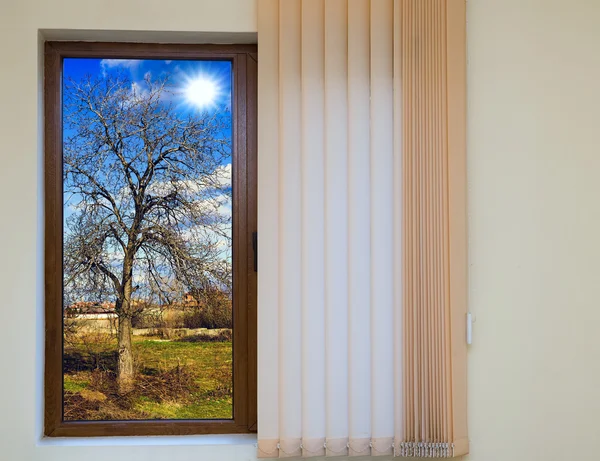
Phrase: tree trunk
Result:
[125,376]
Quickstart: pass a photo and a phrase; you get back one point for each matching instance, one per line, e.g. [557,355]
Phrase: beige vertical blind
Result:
[362,263]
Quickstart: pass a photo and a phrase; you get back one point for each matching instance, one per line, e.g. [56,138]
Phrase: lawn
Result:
[175,380]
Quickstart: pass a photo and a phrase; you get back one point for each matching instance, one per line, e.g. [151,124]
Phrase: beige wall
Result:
[534,207]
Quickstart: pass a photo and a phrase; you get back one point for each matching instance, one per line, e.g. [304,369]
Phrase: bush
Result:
[211,308]
[158,319]
[147,316]
[173,318]
[222,336]
[200,318]
[214,312]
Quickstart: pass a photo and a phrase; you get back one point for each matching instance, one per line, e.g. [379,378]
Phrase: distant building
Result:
[91,310]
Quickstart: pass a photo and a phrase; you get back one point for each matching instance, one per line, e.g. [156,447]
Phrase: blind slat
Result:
[268,224]
[313,229]
[290,225]
[359,240]
[336,228]
[381,221]
[366,231]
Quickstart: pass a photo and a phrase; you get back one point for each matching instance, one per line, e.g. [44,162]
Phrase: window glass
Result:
[147,244]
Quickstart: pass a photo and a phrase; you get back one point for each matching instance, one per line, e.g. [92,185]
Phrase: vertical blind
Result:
[362,263]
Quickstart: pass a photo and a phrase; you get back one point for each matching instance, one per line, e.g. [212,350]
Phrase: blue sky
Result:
[194,88]
[184,77]
[181,72]
[189,80]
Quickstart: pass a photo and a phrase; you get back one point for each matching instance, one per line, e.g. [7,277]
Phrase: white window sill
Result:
[184,440]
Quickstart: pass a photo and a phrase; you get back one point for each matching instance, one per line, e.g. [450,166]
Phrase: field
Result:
[189,378]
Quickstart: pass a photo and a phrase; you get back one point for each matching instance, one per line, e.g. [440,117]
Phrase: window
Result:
[150,219]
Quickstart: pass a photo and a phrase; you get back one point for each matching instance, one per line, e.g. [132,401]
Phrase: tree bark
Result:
[126,375]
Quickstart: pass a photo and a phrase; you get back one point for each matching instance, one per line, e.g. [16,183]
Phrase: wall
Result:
[21,345]
[534,100]
[534,205]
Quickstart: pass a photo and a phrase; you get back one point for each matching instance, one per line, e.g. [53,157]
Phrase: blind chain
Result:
[404,449]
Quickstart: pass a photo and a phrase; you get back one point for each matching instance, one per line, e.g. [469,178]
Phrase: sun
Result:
[202,92]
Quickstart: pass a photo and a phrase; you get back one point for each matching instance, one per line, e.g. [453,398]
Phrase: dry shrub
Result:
[90,352]
[150,318]
[93,396]
[173,318]
[77,408]
[173,333]
[224,377]
[218,316]
[222,336]
[175,384]
[158,318]
[211,309]
[109,411]
[101,401]
[104,381]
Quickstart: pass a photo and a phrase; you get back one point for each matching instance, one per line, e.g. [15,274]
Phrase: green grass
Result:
[207,368]
[71,384]
[209,409]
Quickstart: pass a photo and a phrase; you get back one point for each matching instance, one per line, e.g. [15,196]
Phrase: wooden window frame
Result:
[244,67]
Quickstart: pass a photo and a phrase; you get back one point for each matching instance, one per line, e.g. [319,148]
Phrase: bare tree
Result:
[147,186]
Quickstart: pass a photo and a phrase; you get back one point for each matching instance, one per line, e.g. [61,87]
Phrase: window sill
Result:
[183,440]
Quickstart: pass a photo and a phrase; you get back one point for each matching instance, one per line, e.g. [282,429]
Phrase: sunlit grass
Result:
[209,409]
[208,365]
[75,383]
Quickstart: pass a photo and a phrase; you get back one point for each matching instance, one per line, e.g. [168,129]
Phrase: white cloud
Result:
[225,206]
[222,175]
[220,237]
[168,62]
[138,93]
[219,179]
[126,63]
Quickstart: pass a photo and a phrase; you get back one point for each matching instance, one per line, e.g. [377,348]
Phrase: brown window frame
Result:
[244,61]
